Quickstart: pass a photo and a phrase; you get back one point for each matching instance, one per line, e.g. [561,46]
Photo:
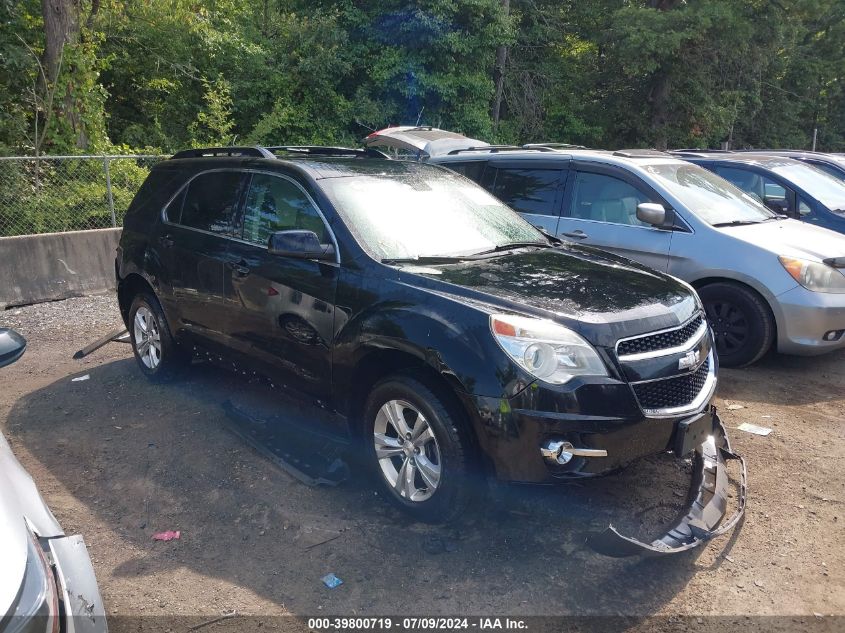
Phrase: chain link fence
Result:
[68,193]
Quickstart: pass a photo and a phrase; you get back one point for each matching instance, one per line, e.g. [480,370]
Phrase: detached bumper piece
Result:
[709,500]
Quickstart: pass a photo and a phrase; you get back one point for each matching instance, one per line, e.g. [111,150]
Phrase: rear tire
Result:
[158,355]
[417,447]
[742,323]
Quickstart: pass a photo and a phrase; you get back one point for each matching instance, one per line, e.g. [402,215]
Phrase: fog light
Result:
[833,335]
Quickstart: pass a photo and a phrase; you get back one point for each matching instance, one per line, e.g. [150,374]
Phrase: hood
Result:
[601,296]
[21,508]
[792,238]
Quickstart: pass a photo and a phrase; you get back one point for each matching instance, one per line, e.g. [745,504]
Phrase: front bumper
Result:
[512,432]
[804,318]
[708,500]
[83,611]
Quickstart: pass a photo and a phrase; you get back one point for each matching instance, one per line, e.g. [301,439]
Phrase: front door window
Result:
[604,198]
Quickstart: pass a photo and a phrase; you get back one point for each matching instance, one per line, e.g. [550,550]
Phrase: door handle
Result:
[577,234]
[166,241]
[238,268]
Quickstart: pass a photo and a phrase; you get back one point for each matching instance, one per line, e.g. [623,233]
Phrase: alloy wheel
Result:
[147,338]
[407,451]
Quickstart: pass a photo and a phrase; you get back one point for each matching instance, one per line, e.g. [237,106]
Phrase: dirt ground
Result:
[118,458]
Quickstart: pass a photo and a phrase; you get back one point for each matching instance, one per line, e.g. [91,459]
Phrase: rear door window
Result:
[605,198]
[533,191]
[211,201]
[277,204]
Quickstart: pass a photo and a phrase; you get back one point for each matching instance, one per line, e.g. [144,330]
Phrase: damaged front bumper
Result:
[708,501]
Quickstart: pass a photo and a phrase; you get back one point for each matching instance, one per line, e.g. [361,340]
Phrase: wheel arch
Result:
[768,300]
[127,289]
[379,364]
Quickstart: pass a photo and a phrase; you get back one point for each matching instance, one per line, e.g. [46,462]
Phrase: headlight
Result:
[37,607]
[814,276]
[545,349]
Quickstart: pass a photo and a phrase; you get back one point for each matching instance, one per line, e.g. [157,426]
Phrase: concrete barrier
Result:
[52,266]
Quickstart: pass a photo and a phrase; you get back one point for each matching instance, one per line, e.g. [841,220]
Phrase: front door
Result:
[280,310]
[775,195]
[193,243]
[602,212]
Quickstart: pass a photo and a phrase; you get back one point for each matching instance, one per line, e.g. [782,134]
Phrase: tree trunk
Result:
[661,89]
[499,73]
[61,26]
[660,109]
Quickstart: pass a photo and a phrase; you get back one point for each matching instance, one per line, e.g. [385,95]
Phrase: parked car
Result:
[787,186]
[765,280]
[425,320]
[46,579]
[831,164]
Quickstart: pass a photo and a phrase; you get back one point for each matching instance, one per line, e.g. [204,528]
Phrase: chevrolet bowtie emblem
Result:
[689,360]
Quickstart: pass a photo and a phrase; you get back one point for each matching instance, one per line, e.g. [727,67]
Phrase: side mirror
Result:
[300,244]
[778,205]
[12,346]
[651,213]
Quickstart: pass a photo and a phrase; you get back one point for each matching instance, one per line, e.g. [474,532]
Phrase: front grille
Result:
[655,342]
[674,392]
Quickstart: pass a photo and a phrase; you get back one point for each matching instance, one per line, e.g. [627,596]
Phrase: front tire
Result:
[157,354]
[417,448]
[742,323]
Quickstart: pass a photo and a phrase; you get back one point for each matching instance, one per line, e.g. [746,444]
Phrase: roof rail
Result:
[692,150]
[639,153]
[207,152]
[319,150]
[554,146]
[497,148]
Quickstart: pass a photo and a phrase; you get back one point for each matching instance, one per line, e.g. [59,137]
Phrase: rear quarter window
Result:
[154,193]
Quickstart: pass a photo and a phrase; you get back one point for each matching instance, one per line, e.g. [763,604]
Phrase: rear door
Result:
[532,188]
[601,210]
[280,310]
[193,243]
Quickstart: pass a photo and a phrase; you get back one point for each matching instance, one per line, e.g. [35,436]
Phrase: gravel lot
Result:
[118,459]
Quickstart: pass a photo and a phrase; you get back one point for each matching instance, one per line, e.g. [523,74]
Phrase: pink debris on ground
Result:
[167,536]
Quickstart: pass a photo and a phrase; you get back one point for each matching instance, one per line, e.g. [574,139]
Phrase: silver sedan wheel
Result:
[147,338]
[407,451]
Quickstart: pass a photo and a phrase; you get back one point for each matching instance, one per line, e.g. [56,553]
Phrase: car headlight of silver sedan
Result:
[815,276]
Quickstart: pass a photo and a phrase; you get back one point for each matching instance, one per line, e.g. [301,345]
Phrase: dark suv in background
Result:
[437,327]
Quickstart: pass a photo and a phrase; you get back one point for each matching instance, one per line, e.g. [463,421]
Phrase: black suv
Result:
[442,331]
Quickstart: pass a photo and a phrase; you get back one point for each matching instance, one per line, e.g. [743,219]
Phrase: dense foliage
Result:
[157,75]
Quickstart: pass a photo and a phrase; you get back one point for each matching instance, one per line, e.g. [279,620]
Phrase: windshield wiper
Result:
[510,246]
[423,259]
[737,223]
[779,216]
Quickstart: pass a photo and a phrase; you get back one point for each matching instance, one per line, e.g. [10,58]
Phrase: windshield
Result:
[822,186]
[427,214]
[710,197]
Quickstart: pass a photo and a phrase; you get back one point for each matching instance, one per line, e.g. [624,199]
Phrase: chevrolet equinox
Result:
[442,331]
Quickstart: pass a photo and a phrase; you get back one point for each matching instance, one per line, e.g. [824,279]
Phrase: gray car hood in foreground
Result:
[792,238]
[20,504]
